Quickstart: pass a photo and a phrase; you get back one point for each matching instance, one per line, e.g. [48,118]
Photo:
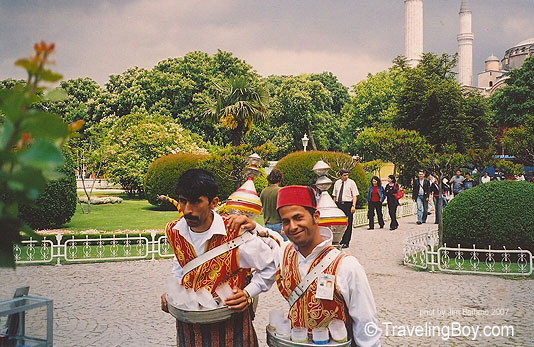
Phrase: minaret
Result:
[413,31]
[465,46]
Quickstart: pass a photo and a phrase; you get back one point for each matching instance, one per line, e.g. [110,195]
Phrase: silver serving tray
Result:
[273,341]
[207,316]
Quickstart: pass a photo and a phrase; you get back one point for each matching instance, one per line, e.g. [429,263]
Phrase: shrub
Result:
[163,173]
[57,204]
[499,213]
[297,167]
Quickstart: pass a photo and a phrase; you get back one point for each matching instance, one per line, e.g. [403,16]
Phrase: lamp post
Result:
[305,140]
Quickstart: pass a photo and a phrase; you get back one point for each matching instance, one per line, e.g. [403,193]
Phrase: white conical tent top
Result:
[245,200]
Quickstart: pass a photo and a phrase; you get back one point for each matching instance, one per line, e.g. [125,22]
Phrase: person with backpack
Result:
[392,194]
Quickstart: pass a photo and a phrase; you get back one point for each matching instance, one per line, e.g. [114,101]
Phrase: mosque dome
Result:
[526,42]
[516,55]
[492,58]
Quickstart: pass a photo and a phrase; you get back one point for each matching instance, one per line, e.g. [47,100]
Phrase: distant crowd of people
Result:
[426,189]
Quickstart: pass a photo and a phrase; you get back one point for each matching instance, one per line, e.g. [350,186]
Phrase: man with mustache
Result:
[199,231]
[308,262]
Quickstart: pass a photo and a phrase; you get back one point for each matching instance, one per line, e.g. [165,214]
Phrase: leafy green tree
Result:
[30,141]
[135,141]
[178,87]
[431,102]
[440,165]
[509,169]
[406,149]
[338,92]
[513,103]
[239,103]
[372,104]
[305,105]
[519,141]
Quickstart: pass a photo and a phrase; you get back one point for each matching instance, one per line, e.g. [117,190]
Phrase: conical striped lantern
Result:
[245,200]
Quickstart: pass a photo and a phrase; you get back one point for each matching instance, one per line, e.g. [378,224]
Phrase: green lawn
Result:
[131,214]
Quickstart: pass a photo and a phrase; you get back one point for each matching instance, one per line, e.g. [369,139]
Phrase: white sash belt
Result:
[225,247]
[301,288]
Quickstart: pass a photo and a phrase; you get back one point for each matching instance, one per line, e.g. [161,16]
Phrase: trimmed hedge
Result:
[297,167]
[163,173]
[56,204]
[498,213]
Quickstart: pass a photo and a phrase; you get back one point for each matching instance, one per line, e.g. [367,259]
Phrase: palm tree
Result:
[239,102]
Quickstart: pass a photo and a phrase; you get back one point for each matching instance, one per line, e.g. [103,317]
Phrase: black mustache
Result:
[191,217]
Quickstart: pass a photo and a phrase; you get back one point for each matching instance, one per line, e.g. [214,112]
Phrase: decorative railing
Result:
[422,251]
[91,249]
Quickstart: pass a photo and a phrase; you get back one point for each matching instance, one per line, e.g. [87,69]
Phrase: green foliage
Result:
[519,142]
[339,93]
[163,173]
[431,102]
[306,105]
[513,103]
[228,165]
[406,149]
[135,141]
[372,104]
[56,205]
[297,167]
[177,87]
[508,168]
[499,213]
[239,102]
[30,141]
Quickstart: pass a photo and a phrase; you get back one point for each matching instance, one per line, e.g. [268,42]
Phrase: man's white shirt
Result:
[351,281]
[254,254]
[350,190]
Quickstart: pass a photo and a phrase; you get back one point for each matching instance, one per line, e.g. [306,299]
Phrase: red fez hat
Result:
[296,195]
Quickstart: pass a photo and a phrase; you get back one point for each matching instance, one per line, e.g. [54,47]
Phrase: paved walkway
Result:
[117,304]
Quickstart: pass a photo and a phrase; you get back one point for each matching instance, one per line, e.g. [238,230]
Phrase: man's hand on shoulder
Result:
[239,301]
[236,221]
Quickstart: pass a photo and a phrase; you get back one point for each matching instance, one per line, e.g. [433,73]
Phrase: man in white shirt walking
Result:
[345,195]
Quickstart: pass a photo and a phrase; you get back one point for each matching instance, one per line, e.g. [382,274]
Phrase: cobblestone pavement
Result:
[117,304]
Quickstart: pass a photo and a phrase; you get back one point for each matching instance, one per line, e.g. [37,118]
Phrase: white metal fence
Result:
[422,251]
[103,248]
[128,247]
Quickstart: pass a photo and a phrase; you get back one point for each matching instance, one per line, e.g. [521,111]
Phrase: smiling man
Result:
[308,262]
[202,230]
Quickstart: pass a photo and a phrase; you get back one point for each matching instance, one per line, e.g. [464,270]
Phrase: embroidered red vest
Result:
[309,311]
[223,268]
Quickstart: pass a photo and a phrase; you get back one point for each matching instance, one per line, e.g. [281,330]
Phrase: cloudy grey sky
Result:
[350,38]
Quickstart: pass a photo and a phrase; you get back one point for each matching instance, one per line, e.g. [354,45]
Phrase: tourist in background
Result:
[375,196]
[420,194]
[268,197]
[485,178]
[434,190]
[468,182]
[391,189]
[345,195]
[457,183]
